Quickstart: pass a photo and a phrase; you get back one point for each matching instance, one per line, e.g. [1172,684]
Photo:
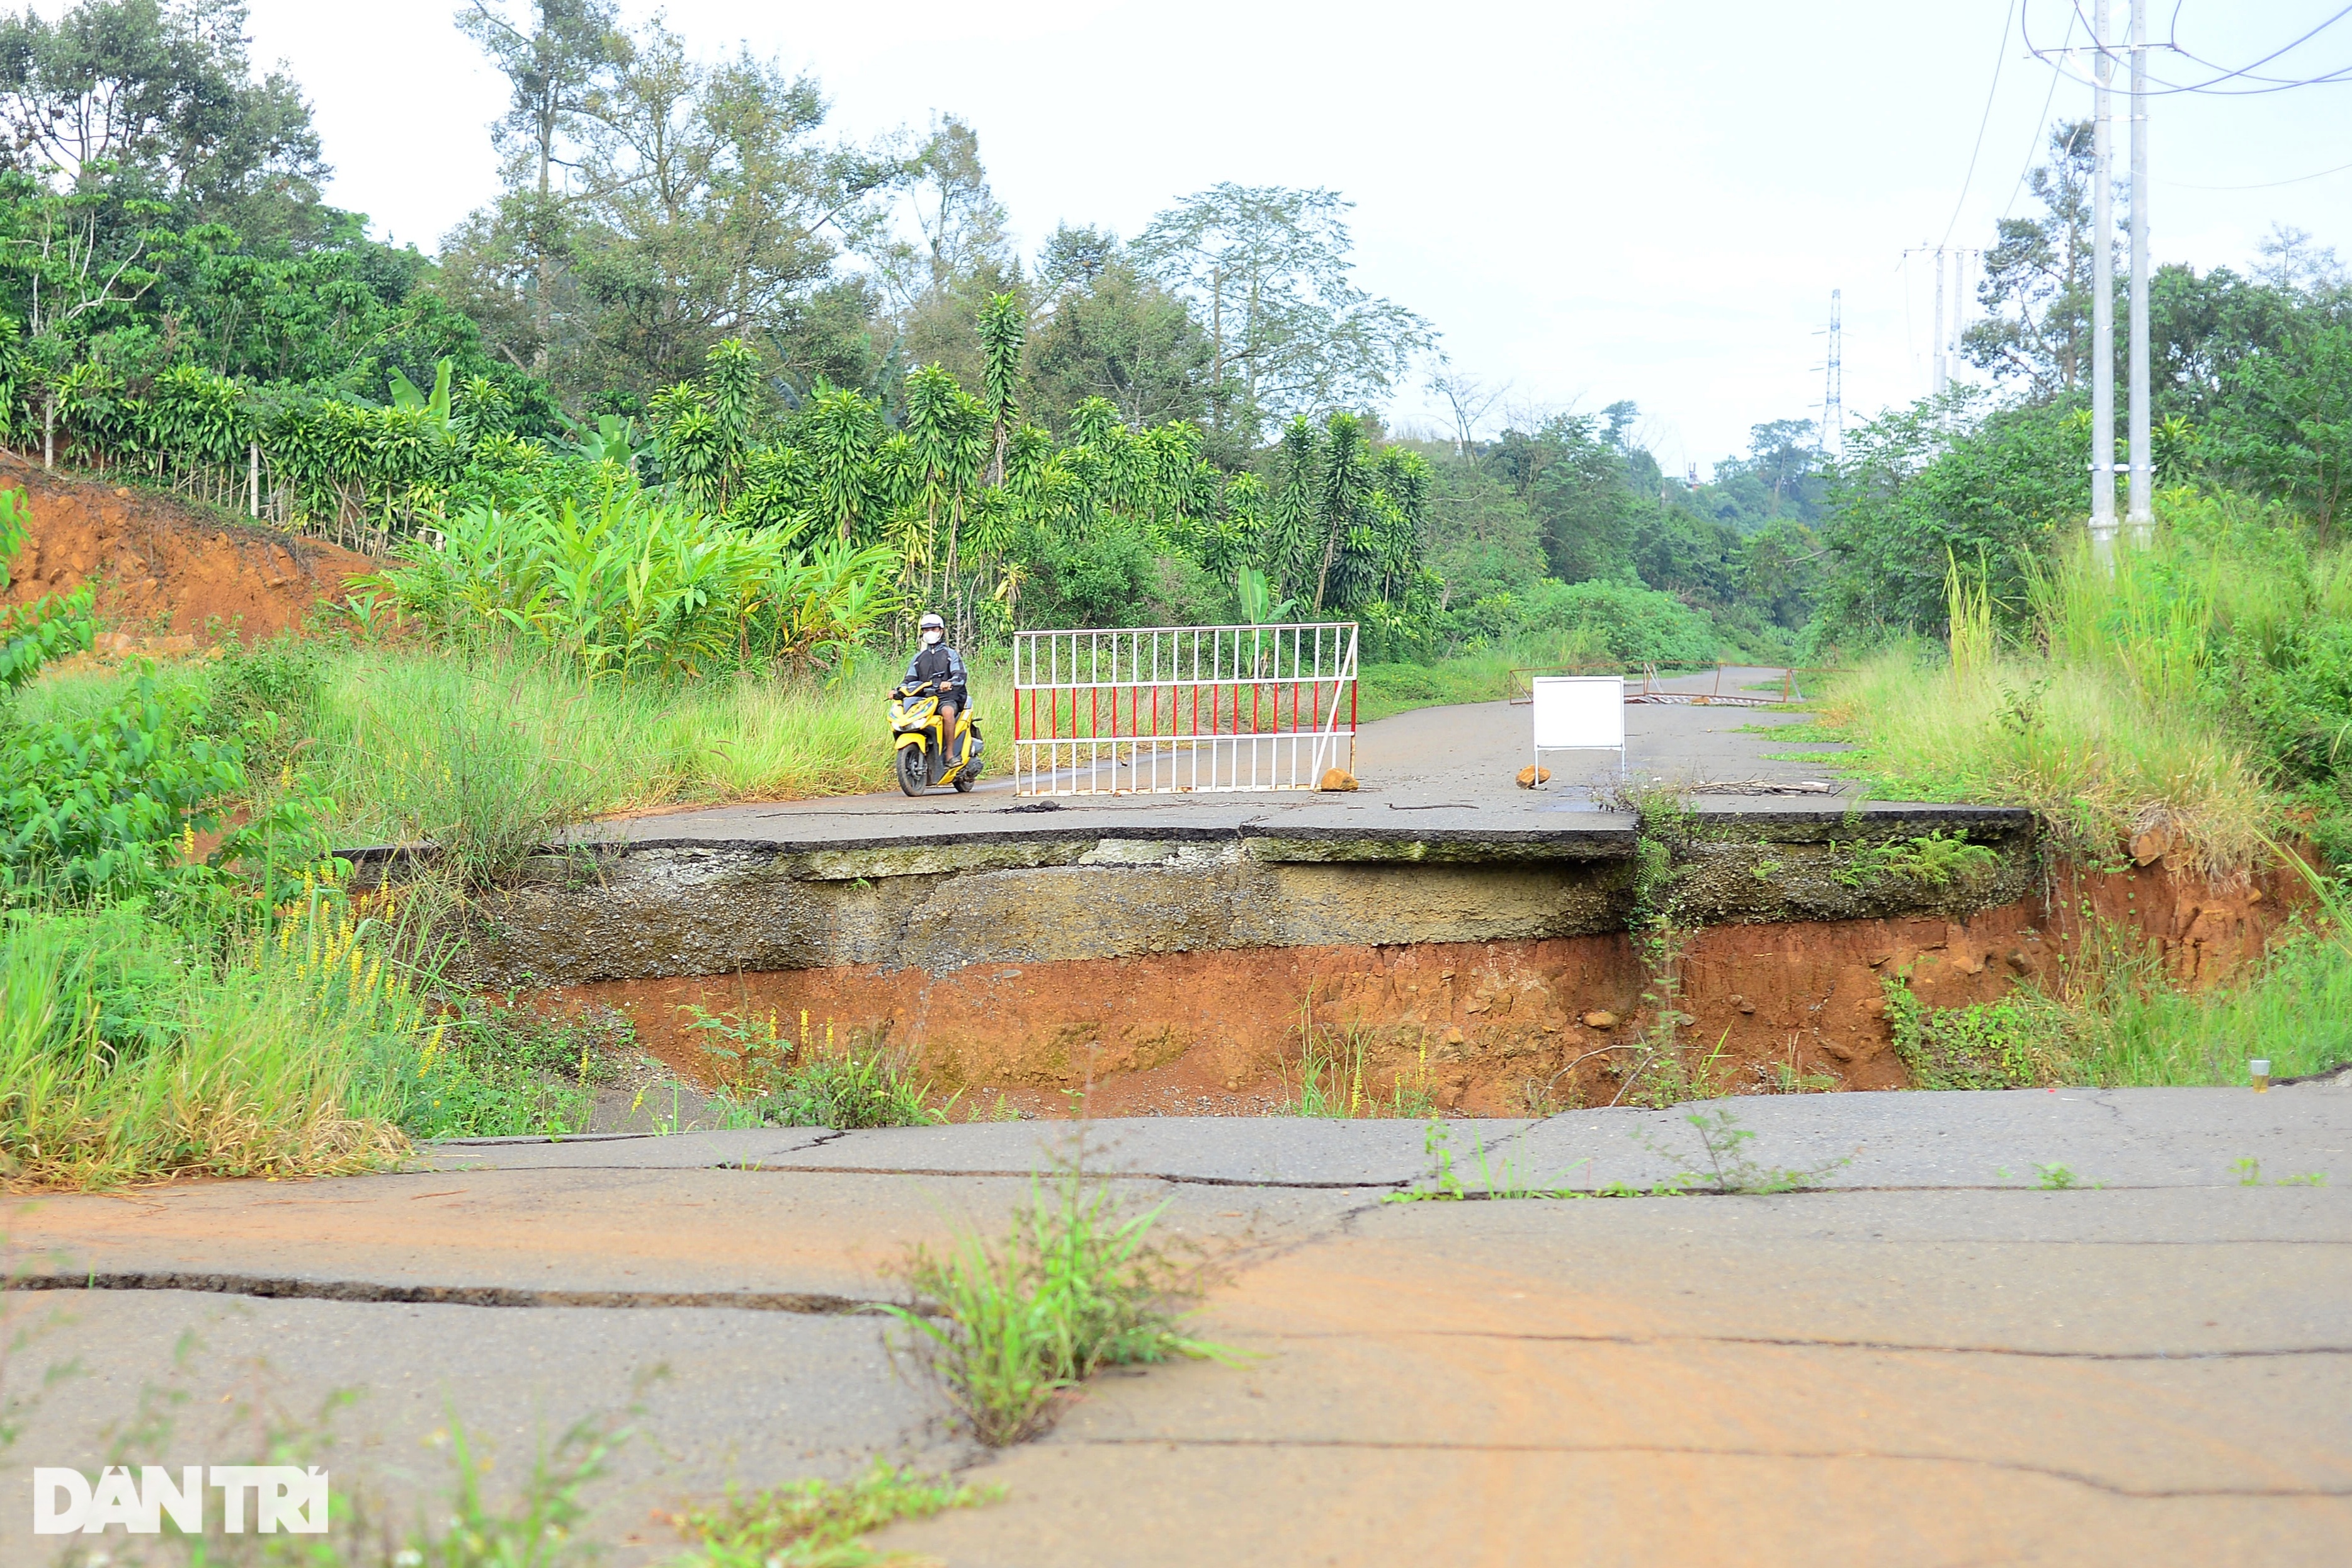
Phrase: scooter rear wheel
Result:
[914,770]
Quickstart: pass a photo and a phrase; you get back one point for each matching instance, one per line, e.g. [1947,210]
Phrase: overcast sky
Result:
[1590,201]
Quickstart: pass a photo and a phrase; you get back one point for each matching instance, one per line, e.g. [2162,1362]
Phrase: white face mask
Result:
[931,637]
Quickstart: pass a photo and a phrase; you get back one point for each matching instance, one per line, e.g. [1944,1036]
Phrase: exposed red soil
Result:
[1491,1028]
[165,570]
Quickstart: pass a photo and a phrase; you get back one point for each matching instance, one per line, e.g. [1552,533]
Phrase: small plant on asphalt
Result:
[1077,1285]
[818,1524]
[1729,1169]
[2055,1178]
[1505,1181]
[775,1083]
[2249,1174]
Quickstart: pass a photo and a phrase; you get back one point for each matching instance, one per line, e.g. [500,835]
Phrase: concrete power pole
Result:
[1960,313]
[1936,381]
[1832,431]
[2103,299]
[2142,516]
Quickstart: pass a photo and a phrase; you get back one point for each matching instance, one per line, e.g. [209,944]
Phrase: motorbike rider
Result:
[937,662]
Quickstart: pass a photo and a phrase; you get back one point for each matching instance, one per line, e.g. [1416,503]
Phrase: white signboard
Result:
[1580,713]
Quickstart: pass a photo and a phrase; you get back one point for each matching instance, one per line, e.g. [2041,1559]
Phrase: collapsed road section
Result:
[1194,956]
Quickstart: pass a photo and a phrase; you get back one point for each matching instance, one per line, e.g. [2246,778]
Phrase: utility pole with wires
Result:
[1959,311]
[1944,338]
[1831,429]
[2142,516]
[2102,297]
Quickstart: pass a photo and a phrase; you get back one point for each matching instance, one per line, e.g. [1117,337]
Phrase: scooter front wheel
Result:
[914,770]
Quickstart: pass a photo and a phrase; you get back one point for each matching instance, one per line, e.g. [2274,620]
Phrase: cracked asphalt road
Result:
[1932,1360]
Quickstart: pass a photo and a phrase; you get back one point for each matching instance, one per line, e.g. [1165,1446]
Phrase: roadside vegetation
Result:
[2198,698]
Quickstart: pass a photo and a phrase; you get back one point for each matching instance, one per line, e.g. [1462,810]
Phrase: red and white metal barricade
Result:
[1164,709]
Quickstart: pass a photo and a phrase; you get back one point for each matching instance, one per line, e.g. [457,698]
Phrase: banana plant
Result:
[1256,598]
[436,406]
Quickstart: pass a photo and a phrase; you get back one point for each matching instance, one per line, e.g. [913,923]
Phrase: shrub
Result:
[1623,621]
[2017,1042]
[779,1084]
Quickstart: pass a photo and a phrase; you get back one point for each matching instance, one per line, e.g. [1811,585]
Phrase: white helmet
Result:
[931,622]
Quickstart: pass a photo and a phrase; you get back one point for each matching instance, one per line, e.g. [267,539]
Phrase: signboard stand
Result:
[1579,714]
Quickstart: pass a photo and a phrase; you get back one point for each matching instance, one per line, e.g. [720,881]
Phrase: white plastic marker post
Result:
[1579,714]
[2259,1069]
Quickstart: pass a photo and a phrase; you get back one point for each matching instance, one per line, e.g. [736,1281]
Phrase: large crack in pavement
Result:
[1417,1445]
[1175,1179]
[805,1302]
[1783,1342]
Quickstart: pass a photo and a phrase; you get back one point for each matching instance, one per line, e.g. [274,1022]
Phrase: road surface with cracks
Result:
[2026,1326]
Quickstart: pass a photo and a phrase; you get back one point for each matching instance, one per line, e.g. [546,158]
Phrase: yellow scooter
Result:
[916,730]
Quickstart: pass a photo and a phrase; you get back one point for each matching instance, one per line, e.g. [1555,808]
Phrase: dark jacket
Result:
[932,663]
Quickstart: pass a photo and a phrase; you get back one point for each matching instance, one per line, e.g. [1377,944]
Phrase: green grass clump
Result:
[2017,1042]
[2133,1026]
[1076,1286]
[819,1524]
[143,1042]
[1336,1079]
[2077,744]
[131,1051]
[772,1083]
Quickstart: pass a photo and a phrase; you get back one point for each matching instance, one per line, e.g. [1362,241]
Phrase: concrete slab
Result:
[719,1396]
[1922,1364]
[1287,1152]
[800,1240]
[2122,1138]
[620,1151]
[2150,1378]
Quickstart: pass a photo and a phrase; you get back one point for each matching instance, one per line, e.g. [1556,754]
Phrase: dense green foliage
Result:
[687,288]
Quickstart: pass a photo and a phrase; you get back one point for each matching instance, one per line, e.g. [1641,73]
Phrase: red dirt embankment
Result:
[164,567]
[1489,1028]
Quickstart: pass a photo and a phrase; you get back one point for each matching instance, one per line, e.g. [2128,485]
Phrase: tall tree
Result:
[2037,277]
[1110,331]
[1003,329]
[159,99]
[1289,332]
[558,58]
[702,206]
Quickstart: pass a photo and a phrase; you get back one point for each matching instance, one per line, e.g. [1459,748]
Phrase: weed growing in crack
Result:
[1660,1076]
[1729,1169]
[2249,1174]
[1076,1285]
[1497,1183]
[819,1524]
[2058,1178]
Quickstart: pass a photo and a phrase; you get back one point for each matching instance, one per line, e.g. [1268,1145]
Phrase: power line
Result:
[2172,42]
[2267,186]
[2210,85]
[2034,148]
[2000,55]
